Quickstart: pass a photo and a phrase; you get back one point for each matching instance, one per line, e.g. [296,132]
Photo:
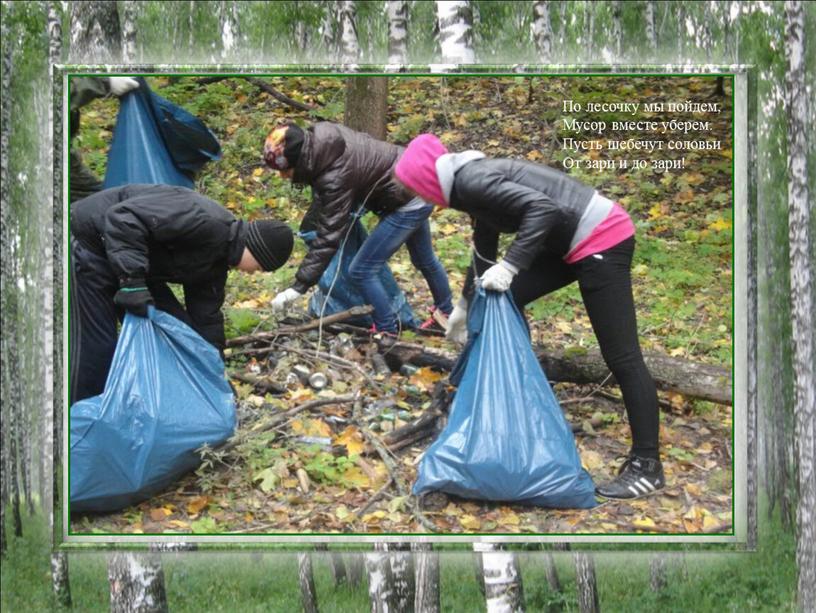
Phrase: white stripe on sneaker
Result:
[642,489]
[634,491]
[648,483]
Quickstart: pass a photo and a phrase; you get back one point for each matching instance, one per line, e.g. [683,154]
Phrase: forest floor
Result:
[316,471]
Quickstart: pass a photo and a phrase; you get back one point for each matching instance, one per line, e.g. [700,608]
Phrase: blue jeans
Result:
[412,229]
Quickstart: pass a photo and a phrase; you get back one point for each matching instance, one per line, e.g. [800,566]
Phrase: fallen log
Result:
[692,379]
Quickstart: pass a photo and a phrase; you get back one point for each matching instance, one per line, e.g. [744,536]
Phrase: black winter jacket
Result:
[163,234]
[344,168]
[542,206]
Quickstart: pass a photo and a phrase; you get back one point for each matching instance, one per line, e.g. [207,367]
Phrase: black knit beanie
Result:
[270,242]
[293,142]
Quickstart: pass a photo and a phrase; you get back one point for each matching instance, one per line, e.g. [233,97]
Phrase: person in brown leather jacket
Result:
[350,172]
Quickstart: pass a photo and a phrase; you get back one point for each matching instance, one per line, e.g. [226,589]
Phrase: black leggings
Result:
[606,288]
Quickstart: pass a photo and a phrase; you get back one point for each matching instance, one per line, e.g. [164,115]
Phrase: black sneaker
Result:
[637,477]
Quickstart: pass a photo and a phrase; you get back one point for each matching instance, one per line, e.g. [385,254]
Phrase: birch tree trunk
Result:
[52,355]
[230,31]
[542,31]
[801,302]
[401,565]
[349,45]
[589,29]
[617,29]
[552,572]
[380,584]
[308,595]
[651,31]
[136,584]
[5,128]
[657,572]
[95,33]
[426,563]
[59,578]
[129,50]
[586,584]
[455,21]
[397,33]
[502,579]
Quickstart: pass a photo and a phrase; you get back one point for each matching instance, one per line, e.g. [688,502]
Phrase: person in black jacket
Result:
[129,242]
[564,231]
[347,171]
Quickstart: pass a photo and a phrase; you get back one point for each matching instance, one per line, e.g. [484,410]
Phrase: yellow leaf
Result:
[351,439]
[470,522]
[301,395]
[195,506]
[247,304]
[425,377]
[509,518]
[355,477]
[534,155]
[159,514]
[720,224]
[257,172]
[645,523]
[290,482]
[710,523]
[685,196]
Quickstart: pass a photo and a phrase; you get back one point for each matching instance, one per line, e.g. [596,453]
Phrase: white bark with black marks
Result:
[129,50]
[401,565]
[426,565]
[349,45]
[308,594]
[586,583]
[542,30]
[455,19]
[59,578]
[5,128]
[230,31]
[380,584]
[657,573]
[651,31]
[397,33]
[136,584]
[96,36]
[801,274]
[502,579]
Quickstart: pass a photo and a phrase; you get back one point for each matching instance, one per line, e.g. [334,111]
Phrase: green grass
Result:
[244,581]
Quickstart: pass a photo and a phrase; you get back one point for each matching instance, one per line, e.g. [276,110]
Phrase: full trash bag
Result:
[165,397]
[506,437]
[340,294]
[156,141]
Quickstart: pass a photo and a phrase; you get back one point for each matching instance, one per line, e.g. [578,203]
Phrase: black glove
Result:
[134,296]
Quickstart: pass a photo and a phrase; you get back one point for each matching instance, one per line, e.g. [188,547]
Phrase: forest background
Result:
[769,35]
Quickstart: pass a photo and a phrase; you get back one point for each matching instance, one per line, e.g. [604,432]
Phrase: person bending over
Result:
[349,170]
[565,231]
[129,242]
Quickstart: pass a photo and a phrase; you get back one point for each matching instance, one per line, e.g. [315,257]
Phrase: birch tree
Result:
[230,32]
[502,579]
[657,573]
[426,564]
[402,575]
[308,594]
[617,29]
[796,99]
[349,45]
[129,50]
[95,33]
[52,352]
[455,20]
[380,585]
[651,32]
[397,33]
[136,584]
[586,583]
[5,127]
[542,31]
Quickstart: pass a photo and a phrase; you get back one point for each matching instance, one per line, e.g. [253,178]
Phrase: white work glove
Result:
[119,86]
[499,277]
[457,322]
[280,301]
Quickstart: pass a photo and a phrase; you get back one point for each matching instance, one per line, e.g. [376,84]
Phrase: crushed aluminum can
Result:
[302,372]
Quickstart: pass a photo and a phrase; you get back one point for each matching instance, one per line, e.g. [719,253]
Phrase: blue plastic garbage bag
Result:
[155,141]
[165,397]
[506,437]
[340,294]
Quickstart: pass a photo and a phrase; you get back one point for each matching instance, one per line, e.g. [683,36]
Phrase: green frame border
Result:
[72,541]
